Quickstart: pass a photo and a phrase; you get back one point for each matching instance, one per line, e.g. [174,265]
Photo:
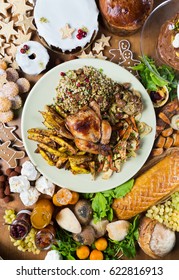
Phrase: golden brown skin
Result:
[125,16]
[91,147]
[85,124]
[106,131]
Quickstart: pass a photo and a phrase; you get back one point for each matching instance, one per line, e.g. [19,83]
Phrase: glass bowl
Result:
[151,29]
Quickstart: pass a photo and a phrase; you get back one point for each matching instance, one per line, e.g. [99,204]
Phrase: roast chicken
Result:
[91,133]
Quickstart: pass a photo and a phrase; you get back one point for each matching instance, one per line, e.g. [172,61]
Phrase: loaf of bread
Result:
[155,239]
[154,185]
[124,17]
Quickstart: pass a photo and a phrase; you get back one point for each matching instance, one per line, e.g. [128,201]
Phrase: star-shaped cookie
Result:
[4,7]
[104,40]
[20,7]
[26,23]
[7,30]
[66,31]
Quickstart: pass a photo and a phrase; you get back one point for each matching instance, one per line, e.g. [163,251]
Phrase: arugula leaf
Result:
[102,201]
[66,245]
[153,76]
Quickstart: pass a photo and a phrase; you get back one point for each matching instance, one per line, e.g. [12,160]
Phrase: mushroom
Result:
[86,236]
[67,220]
[99,227]
[83,211]
[118,230]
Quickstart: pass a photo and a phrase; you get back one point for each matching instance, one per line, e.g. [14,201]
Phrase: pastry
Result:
[66,29]
[32,57]
[152,186]
[124,17]
[168,42]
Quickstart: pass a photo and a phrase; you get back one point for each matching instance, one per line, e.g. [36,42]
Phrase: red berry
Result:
[22,51]
[78,85]
[84,33]
[80,31]
[62,74]
[79,36]
[26,47]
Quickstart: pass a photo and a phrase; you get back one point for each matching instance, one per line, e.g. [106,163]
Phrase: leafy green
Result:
[153,76]
[127,247]
[66,245]
[101,201]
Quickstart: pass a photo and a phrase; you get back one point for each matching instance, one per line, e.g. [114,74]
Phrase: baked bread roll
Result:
[155,239]
[124,17]
[152,186]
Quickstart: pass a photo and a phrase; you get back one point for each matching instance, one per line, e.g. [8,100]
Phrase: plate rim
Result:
[82,62]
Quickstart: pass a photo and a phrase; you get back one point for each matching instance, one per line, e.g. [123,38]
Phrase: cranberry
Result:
[78,85]
[84,34]
[79,36]
[62,74]
[22,51]
[80,31]
[26,47]
[87,80]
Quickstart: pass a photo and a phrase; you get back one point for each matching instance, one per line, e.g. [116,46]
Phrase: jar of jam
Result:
[45,237]
[21,226]
[42,213]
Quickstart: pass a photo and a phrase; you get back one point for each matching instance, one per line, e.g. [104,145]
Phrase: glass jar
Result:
[21,226]
[45,237]
[42,213]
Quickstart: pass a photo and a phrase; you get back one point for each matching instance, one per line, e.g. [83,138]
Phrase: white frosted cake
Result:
[67,25]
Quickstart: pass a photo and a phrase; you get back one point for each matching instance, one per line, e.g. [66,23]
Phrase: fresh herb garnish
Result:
[66,245]
[153,77]
[101,201]
[126,247]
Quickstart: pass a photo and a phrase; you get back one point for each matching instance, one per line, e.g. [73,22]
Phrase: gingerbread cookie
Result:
[7,133]
[9,155]
[124,56]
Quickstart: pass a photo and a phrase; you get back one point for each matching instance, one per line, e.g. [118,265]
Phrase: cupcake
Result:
[168,42]
[124,17]
[66,26]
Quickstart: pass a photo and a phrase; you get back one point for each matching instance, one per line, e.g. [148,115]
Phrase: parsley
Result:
[101,201]
[126,247]
[153,77]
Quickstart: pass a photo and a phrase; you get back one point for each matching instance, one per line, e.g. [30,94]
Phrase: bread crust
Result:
[155,184]
[125,16]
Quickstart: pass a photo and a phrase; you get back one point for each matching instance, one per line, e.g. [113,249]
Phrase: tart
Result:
[66,26]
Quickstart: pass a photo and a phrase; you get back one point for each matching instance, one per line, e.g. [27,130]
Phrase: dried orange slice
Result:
[64,196]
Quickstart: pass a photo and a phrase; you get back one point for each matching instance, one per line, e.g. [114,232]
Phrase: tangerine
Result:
[101,244]
[96,255]
[83,252]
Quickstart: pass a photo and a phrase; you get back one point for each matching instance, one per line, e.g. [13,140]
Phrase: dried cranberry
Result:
[155,96]
[84,34]
[62,74]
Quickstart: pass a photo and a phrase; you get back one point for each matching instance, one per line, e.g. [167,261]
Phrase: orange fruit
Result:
[75,197]
[55,201]
[101,244]
[83,252]
[64,196]
[96,255]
